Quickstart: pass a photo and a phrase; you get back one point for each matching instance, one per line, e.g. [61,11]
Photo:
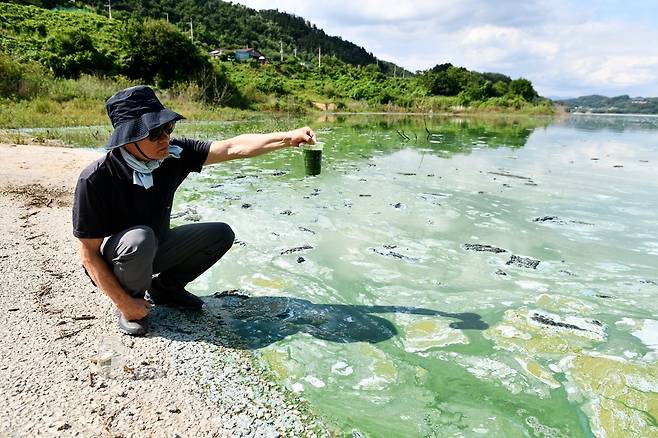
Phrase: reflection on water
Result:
[398,291]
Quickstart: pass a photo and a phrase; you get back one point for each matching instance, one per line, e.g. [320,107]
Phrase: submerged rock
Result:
[546,320]
[483,248]
[296,249]
[523,262]
[396,255]
[531,332]
[557,220]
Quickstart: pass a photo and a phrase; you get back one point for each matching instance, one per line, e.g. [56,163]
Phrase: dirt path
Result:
[185,379]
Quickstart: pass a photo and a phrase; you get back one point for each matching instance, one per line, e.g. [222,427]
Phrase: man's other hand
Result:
[135,309]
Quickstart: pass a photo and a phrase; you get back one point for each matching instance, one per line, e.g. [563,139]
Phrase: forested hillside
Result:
[218,24]
[72,40]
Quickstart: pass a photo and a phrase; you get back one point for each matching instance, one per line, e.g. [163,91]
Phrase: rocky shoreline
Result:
[188,377]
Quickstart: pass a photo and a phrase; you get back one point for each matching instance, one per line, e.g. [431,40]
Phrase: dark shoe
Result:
[181,299]
[132,328]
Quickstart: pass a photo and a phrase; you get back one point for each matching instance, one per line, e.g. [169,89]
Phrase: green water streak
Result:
[366,300]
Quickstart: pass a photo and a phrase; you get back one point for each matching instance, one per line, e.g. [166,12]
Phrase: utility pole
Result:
[319,57]
[109,8]
[191,30]
[295,51]
[167,15]
[281,49]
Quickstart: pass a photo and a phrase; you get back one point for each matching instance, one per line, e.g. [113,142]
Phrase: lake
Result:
[446,276]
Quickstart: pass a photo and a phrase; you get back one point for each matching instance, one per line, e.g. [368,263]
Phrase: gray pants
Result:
[180,256]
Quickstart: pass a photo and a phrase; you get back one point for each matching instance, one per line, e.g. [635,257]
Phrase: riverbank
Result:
[183,379]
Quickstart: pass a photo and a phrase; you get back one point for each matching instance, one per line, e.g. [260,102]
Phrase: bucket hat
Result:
[134,112]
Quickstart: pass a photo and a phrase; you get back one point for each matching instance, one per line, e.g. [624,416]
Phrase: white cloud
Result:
[565,48]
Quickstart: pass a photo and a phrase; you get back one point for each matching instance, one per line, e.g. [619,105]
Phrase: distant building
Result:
[249,53]
[239,54]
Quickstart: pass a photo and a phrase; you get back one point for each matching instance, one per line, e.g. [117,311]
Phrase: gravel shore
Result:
[59,331]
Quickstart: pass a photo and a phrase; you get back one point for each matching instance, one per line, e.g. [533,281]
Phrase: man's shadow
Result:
[239,321]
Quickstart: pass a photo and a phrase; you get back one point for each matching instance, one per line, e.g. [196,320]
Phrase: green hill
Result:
[619,105]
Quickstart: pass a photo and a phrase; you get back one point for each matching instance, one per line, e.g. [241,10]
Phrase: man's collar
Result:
[119,166]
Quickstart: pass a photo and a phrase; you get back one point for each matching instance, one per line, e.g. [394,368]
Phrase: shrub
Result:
[72,52]
[20,81]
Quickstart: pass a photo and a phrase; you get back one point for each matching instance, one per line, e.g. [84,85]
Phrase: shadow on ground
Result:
[238,321]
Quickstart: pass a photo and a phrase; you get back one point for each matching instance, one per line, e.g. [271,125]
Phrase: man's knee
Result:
[138,242]
[223,238]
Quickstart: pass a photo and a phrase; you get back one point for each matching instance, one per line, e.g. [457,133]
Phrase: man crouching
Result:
[122,207]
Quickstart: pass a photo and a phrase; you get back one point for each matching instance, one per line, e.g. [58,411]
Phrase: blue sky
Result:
[566,48]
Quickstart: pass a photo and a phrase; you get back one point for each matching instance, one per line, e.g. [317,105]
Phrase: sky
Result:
[567,48]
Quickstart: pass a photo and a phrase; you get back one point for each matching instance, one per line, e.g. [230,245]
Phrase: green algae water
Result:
[448,277]
[399,291]
[312,159]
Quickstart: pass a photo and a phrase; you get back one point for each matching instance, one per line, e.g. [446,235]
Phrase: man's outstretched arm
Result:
[133,309]
[251,145]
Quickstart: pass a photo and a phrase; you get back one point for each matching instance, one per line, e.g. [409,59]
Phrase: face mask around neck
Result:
[142,170]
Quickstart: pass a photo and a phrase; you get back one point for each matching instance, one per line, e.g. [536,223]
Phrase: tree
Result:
[159,54]
[448,82]
[499,88]
[522,87]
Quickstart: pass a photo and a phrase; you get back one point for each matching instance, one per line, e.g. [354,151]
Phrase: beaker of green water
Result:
[312,158]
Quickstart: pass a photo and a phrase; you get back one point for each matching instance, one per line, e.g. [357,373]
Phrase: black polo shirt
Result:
[107,201]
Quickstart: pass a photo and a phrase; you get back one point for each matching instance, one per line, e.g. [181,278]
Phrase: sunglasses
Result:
[156,133]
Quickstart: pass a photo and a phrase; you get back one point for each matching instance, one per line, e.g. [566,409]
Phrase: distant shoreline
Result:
[614,114]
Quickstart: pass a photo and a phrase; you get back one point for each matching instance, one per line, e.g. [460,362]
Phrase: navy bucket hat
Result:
[134,112]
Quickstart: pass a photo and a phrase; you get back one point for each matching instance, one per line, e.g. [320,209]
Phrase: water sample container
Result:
[312,158]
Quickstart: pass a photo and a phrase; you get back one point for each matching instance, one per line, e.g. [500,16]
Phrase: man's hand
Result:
[300,136]
[135,309]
